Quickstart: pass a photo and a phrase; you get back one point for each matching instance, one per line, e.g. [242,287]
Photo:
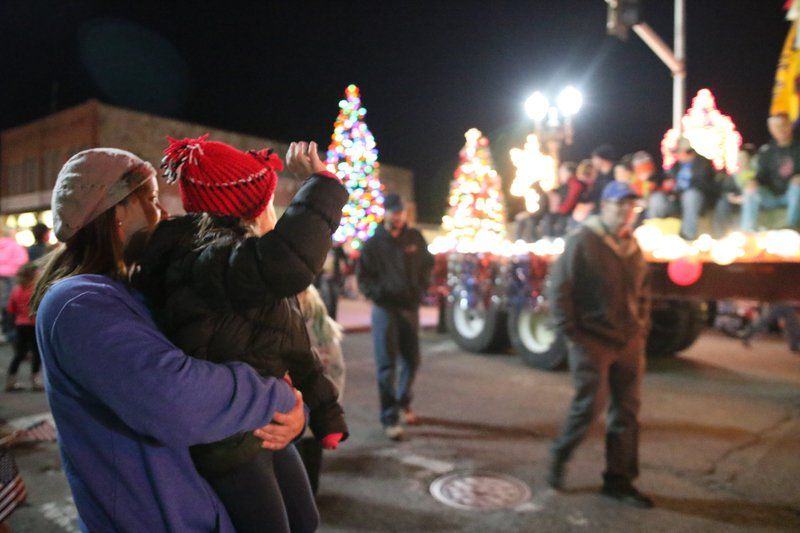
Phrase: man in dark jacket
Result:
[603,159]
[599,297]
[394,271]
[778,177]
[695,184]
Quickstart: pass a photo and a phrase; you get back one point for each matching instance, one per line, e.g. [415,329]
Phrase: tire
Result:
[676,325]
[533,337]
[696,322]
[477,330]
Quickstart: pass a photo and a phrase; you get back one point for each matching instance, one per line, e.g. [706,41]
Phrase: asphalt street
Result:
[720,446]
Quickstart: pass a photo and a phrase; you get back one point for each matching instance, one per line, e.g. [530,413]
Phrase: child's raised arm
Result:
[286,260]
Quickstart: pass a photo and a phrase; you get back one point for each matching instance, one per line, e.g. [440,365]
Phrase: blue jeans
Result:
[764,198]
[6,284]
[723,217]
[395,332]
[659,205]
[269,493]
[692,200]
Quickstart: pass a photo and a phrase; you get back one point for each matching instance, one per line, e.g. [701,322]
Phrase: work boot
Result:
[625,492]
[394,432]
[12,385]
[555,472]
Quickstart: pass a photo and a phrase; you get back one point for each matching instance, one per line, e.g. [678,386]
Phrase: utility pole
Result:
[624,14]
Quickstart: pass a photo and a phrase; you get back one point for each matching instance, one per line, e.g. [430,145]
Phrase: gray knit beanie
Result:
[91,182]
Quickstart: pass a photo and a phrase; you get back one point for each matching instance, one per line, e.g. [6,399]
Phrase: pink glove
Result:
[331,441]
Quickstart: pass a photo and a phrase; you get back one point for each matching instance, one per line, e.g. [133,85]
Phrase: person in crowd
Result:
[551,218]
[12,257]
[223,281]
[652,186]
[648,176]
[587,174]
[695,185]
[330,282]
[127,403]
[623,172]
[569,192]
[394,272]
[783,313]
[777,182]
[530,227]
[603,160]
[731,188]
[326,337]
[599,297]
[41,241]
[24,322]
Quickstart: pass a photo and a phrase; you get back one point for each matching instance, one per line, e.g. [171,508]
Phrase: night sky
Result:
[428,71]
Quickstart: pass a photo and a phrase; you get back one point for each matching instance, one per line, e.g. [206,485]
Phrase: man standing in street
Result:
[394,271]
[599,297]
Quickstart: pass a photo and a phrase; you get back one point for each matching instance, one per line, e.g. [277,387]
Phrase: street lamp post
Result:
[553,123]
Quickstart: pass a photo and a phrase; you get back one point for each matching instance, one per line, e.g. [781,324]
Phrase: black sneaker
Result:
[627,495]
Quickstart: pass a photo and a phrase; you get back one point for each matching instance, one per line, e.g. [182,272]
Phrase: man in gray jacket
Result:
[599,296]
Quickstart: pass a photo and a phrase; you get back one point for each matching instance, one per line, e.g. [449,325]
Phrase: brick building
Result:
[32,154]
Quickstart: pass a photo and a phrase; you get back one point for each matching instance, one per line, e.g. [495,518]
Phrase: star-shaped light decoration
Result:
[532,167]
[710,133]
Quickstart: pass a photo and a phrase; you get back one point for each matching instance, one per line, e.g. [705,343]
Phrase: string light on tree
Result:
[353,157]
[533,167]
[476,210]
[710,133]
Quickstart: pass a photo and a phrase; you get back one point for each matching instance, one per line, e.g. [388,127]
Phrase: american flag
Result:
[12,488]
[42,431]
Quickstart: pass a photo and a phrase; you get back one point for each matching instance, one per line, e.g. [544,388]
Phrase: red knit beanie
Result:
[219,179]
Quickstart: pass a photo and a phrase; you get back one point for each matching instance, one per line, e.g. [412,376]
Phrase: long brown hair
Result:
[95,249]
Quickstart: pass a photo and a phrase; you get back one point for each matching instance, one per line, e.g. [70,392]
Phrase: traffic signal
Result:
[622,14]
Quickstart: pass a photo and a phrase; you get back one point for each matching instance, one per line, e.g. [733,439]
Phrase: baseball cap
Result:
[618,190]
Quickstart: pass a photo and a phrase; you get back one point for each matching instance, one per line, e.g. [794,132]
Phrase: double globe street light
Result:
[553,123]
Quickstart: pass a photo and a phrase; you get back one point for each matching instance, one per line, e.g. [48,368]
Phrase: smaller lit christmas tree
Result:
[476,210]
[353,156]
[710,133]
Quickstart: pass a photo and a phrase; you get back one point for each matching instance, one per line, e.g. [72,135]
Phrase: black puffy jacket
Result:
[231,297]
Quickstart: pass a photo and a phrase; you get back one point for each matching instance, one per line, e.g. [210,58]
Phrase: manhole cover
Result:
[482,491]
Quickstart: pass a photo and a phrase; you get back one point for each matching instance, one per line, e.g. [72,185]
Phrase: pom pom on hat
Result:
[217,178]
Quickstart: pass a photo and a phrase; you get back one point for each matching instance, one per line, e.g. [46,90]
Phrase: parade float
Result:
[493,289]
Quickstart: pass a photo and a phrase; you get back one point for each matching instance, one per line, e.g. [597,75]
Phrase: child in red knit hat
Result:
[222,282]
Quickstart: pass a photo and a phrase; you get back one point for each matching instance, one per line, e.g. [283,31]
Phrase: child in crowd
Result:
[732,187]
[24,324]
[586,174]
[222,282]
[326,336]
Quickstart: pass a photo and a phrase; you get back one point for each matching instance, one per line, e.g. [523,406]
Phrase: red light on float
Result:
[684,272]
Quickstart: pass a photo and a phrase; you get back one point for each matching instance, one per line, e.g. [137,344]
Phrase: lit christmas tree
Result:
[353,157]
[710,134]
[477,212]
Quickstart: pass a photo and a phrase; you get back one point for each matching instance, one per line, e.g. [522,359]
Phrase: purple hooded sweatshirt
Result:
[128,404]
